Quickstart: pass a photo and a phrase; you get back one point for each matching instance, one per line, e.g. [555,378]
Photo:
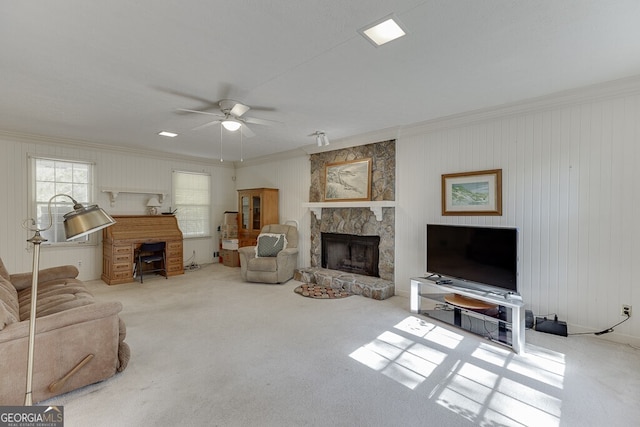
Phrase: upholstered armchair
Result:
[275,257]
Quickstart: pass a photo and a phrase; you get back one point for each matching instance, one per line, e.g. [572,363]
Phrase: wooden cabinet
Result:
[121,240]
[257,207]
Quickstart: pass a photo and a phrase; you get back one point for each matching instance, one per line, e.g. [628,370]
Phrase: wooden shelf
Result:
[114,192]
[374,206]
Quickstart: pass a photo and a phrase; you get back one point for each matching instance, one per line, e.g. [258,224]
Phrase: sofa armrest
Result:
[23,280]
[62,319]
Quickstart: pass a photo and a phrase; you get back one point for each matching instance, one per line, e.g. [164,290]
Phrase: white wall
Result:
[114,169]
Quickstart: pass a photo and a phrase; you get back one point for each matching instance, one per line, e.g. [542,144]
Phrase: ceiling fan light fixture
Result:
[383,31]
[231,125]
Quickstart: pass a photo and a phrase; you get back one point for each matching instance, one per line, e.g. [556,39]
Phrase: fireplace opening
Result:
[351,253]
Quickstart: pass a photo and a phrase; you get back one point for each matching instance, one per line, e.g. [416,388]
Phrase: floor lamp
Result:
[77,223]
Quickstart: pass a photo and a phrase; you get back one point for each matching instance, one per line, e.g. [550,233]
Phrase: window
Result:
[56,176]
[191,197]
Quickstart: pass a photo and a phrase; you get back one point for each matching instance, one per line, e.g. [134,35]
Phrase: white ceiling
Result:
[114,72]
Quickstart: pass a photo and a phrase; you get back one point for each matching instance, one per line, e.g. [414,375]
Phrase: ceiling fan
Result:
[231,117]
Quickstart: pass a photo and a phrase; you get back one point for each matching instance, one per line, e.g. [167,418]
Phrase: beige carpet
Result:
[211,350]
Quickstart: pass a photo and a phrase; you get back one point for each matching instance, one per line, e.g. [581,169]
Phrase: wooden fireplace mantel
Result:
[374,206]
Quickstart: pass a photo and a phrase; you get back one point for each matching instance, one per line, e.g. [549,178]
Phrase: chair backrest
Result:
[152,247]
[289,231]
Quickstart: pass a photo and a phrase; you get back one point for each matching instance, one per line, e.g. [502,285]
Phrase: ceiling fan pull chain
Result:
[221,144]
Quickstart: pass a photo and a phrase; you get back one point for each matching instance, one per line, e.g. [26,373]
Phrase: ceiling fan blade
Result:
[199,112]
[206,125]
[207,104]
[263,122]
[239,109]
[246,131]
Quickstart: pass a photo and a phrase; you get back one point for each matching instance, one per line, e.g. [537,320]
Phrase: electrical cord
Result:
[192,265]
[605,331]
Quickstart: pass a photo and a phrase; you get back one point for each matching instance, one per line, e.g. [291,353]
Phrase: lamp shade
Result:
[154,202]
[82,221]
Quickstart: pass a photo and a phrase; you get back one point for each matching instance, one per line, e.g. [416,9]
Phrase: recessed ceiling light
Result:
[383,31]
[169,134]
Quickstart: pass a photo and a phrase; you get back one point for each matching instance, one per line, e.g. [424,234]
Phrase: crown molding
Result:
[612,89]
[86,145]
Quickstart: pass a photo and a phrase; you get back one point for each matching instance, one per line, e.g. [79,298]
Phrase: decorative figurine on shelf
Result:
[152,206]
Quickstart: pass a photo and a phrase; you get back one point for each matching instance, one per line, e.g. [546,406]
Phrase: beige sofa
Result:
[271,269]
[71,327]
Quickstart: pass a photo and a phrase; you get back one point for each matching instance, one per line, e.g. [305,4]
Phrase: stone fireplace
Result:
[350,253]
[360,220]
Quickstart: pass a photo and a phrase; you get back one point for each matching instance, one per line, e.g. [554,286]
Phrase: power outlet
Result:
[625,310]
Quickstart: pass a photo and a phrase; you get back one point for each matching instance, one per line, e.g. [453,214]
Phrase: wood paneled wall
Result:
[569,186]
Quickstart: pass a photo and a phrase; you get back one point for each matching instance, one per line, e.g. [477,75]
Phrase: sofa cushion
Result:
[55,296]
[9,309]
[3,271]
[269,244]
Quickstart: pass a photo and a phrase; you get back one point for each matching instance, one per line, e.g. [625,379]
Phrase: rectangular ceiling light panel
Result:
[383,31]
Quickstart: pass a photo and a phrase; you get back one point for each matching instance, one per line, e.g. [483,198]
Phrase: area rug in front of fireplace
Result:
[312,290]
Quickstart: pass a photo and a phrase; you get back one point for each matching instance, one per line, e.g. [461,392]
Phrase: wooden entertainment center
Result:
[472,310]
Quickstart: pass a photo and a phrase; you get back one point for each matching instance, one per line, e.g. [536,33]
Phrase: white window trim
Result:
[31,205]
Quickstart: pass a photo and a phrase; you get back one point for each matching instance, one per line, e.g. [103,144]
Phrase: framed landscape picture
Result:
[472,193]
[348,181]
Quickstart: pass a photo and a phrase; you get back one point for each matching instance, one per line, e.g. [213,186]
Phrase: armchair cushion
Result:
[263,264]
[269,244]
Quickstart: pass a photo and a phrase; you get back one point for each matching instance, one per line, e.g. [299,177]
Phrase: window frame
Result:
[59,205]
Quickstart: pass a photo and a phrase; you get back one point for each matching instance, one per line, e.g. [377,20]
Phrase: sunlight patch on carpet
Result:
[399,358]
[471,383]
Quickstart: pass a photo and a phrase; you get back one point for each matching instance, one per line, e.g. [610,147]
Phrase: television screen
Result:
[485,256]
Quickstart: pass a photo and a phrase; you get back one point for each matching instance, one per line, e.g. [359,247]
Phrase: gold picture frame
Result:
[472,193]
[348,181]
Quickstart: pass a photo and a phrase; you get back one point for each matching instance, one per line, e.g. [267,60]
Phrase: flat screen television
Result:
[482,258]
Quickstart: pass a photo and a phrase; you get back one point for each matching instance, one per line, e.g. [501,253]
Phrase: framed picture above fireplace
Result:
[348,181]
